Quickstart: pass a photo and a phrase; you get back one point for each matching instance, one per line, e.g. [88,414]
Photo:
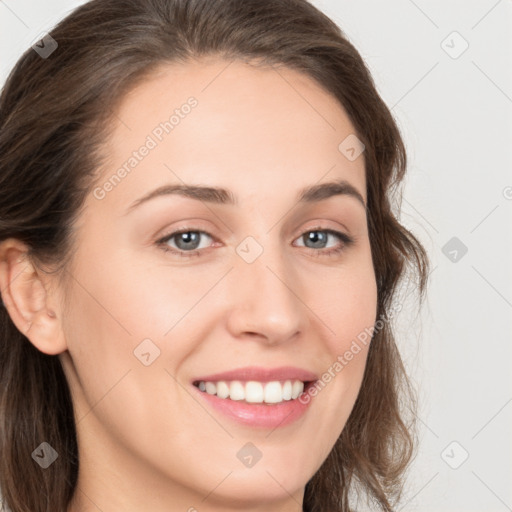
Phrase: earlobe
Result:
[25,293]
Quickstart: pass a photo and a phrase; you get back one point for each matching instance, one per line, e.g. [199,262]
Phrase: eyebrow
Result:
[218,195]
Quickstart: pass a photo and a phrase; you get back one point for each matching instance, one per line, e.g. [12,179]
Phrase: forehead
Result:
[232,124]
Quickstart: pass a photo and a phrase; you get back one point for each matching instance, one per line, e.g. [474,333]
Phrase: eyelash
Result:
[346,239]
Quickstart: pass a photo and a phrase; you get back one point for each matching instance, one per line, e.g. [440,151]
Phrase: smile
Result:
[254,392]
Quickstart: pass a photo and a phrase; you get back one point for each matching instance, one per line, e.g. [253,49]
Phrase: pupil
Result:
[189,237]
[314,237]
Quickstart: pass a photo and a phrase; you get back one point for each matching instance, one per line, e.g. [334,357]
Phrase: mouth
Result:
[267,404]
[255,392]
[257,396]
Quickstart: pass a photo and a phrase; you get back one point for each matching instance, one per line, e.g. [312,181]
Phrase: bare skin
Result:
[145,442]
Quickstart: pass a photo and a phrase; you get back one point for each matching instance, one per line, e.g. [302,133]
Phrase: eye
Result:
[187,241]
[318,242]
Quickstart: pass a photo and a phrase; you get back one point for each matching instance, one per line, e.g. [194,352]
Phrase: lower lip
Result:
[260,414]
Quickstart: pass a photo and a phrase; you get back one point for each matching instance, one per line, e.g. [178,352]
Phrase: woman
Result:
[144,370]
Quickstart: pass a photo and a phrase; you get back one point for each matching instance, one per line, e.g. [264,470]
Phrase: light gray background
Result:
[456,118]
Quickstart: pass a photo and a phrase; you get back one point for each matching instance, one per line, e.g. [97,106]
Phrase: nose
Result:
[265,299]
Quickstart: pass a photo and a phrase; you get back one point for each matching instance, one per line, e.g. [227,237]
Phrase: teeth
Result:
[273,392]
[236,391]
[222,390]
[211,388]
[254,392]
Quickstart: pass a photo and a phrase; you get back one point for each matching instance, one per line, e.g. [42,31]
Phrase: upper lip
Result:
[259,373]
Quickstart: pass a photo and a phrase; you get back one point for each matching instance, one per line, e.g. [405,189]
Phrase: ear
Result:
[25,290]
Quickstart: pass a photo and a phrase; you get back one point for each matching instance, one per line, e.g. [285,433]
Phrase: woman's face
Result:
[254,282]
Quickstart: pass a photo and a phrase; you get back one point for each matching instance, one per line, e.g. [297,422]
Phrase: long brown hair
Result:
[54,114]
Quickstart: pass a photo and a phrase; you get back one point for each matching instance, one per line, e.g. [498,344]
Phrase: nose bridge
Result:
[265,300]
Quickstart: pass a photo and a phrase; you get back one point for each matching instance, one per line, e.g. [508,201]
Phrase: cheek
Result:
[99,343]
[347,305]
[157,298]
[122,310]
[110,311]
[347,302]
